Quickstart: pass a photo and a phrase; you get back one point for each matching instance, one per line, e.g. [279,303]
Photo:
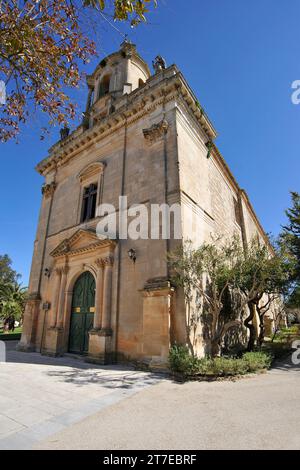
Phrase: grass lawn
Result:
[12,335]
[281,345]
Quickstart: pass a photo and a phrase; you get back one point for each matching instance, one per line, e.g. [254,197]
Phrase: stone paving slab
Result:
[40,396]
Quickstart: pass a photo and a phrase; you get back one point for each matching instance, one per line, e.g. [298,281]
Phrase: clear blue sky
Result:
[240,57]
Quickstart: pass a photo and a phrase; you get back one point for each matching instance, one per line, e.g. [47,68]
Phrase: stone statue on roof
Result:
[159,64]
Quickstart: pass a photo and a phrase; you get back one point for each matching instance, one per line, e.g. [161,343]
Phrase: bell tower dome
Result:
[118,74]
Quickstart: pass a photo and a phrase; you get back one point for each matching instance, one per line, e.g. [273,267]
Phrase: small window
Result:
[89,202]
[141,82]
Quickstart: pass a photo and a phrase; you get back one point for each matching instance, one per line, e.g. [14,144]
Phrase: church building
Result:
[144,136]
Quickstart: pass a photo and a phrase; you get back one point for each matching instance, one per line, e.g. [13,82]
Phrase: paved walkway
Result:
[261,412]
[67,404]
[40,396]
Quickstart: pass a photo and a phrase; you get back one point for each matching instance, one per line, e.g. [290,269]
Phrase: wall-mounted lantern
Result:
[47,272]
[132,255]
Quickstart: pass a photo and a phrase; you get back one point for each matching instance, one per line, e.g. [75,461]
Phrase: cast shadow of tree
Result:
[110,380]
[75,371]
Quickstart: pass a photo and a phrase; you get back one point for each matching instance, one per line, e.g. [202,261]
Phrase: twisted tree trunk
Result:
[262,330]
[249,324]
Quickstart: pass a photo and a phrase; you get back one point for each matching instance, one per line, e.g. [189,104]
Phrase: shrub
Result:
[181,362]
[257,360]
[287,335]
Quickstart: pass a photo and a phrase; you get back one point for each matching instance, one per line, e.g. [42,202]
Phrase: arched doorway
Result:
[82,314]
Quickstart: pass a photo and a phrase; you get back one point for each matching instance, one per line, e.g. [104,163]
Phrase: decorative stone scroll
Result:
[108,261]
[156,131]
[48,189]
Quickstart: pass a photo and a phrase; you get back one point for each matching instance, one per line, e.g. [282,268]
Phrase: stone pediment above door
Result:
[80,242]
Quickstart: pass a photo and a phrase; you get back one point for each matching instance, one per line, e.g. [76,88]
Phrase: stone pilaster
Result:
[99,295]
[31,314]
[107,282]
[61,303]
[55,299]
[54,340]
[100,340]
[100,347]
[158,299]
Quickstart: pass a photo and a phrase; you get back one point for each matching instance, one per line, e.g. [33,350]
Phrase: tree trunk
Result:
[215,348]
[248,324]
[188,331]
[262,329]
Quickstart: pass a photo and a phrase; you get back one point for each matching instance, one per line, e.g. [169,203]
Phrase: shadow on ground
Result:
[108,380]
[72,369]
[286,365]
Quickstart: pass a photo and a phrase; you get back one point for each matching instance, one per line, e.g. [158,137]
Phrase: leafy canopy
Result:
[12,295]
[290,235]
[42,45]
[222,270]
[7,274]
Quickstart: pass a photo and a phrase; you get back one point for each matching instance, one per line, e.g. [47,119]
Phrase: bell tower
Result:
[118,74]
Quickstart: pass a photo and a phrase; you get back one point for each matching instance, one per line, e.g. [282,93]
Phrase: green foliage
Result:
[206,274]
[290,235]
[257,360]
[287,335]
[222,270]
[125,10]
[12,295]
[7,274]
[280,344]
[293,300]
[42,44]
[262,271]
[221,367]
[290,242]
[181,362]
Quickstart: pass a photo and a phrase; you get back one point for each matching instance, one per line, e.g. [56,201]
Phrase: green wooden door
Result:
[82,315]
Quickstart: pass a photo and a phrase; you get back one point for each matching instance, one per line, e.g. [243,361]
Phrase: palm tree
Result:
[13,298]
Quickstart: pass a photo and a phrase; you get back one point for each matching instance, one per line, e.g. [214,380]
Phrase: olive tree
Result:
[205,275]
[215,271]
[262,277]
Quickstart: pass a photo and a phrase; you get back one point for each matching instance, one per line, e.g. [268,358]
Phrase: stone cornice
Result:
[162,88]
[194,105]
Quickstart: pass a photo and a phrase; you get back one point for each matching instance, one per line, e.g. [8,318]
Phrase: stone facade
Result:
[145,137]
